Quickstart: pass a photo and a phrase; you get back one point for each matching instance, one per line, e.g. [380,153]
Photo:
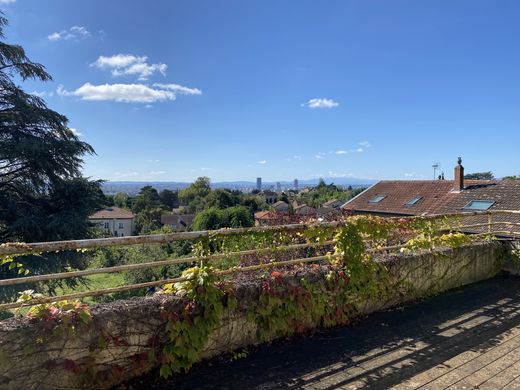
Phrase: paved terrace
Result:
[463,339]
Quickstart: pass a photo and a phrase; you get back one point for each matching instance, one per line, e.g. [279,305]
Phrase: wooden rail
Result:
[23,249]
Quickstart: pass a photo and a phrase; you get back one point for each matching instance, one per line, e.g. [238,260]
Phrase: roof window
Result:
[377,199]
[413,201]
[479,205]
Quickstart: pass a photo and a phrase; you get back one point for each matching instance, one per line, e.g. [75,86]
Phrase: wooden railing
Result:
[502,224]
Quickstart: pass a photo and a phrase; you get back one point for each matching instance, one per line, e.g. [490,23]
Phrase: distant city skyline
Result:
[341,89]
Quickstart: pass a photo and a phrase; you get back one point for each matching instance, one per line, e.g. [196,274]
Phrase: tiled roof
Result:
[112,213]
[437,197]
[184,219]
[505,194]
[330,202]
[265,215]
[304,210]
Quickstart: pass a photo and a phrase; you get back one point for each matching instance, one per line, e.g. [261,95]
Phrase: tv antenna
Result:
[435,166]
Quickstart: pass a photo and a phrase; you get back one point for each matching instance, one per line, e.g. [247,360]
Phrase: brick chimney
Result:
[458,180]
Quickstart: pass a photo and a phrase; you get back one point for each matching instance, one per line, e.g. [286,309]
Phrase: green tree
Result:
[122,200]
[220,199]
[148,197]
[480,176]
[148,208]
[209,219]
[200,187]
[237,216]
[252,202]
[42,194]
[232,217]
[169,198]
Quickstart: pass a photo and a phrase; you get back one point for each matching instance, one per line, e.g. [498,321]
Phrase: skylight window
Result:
[413,201]
[377,199]
[479,205]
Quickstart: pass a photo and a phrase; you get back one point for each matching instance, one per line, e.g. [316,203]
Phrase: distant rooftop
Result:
[112,213]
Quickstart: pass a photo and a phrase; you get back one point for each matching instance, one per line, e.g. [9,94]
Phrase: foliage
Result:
[42,194]
[188,330]
[480,176]
[288,306]
[325,192]
[122,200]
[199,188]
[169,198]
[148,208]
[57,317]
[214,218]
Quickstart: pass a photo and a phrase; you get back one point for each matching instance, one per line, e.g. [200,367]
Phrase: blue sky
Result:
[172,90]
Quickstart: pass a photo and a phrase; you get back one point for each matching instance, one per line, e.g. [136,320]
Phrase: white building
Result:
[114,221]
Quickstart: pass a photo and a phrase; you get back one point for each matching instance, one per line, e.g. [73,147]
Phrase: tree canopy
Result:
[42,193]
[480,176]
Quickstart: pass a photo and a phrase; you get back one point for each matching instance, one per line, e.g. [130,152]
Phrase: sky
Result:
[237,89]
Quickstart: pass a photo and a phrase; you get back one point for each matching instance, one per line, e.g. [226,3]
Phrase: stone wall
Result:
[108,351]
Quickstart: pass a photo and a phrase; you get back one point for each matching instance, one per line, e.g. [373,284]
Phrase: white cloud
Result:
[319,155]
[125,93]
[7,1]
[129,65]
[358,150]
[157,173]
[365,144]
[179,89]
[117,61]
[262,162]
[75,132]
[320,103]
[75,32]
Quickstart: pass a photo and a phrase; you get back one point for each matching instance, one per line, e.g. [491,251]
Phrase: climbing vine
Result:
[328,295]
[188,329]
[57,318]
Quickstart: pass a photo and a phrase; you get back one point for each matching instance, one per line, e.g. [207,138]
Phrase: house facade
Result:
[114,221]
[269,196]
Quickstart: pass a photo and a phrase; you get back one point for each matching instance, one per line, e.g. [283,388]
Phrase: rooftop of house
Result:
[436,197]
[280,203]
[330,202]
[431,197]
[304,209]
[265,215]
[112,213]
[185,219]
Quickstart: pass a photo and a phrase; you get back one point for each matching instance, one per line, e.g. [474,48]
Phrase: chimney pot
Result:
[459,176]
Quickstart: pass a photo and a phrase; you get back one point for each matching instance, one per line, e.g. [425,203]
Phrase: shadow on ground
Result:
[379,352]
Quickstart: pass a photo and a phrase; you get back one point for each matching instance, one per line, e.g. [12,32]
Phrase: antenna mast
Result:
[435,166]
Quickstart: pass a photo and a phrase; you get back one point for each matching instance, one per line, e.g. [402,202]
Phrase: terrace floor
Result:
[463,339]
